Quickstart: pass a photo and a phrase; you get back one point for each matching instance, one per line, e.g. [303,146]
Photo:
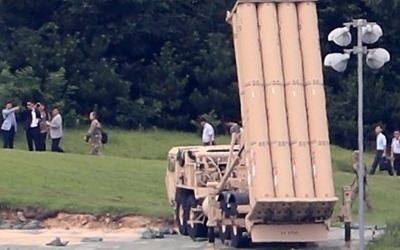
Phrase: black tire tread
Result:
[198,230]
[182,204]
[239,241]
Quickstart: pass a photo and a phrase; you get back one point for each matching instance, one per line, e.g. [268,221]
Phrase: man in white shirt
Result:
[32,119]
[208,136]
[395,152]
[380,155]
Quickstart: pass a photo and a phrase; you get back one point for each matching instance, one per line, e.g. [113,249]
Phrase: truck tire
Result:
[180,157]
[225,233]
[196,230]
[238,239]
[182,215]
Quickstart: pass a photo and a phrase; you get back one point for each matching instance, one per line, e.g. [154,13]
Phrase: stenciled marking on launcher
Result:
[275,169]
[294,166]
[314,164]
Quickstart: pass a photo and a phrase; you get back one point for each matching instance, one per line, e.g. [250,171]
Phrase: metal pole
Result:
[360,52]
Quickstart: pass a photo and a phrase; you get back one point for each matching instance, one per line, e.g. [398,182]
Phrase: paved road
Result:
[178,242]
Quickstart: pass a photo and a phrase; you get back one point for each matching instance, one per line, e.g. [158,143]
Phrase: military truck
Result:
[277,184]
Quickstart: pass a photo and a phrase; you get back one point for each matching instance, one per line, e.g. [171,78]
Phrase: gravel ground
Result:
[131,240]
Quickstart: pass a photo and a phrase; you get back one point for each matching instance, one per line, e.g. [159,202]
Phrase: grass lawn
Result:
[128,144]
[382,188]
[130,177]
[83,183]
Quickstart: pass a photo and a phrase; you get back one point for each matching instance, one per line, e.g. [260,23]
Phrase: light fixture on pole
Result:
[371,33]
[340,36]
[375,58]
[337,61]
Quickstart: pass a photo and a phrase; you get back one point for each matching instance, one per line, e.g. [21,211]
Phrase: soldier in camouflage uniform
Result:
[354,185]
[94,134]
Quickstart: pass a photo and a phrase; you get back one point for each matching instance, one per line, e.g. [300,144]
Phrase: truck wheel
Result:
[225,233]
[238,237]
[195,230]
[181,215]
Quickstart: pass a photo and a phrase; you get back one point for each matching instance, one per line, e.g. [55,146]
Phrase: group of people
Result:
[39,125]
[208,133]
[383,159]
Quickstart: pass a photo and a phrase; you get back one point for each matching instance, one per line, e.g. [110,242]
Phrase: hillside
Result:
[129,178]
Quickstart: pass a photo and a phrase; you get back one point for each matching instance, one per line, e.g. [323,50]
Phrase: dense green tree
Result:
[163,63]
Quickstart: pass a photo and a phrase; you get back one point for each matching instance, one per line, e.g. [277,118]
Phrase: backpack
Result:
[104,137]
[385,165]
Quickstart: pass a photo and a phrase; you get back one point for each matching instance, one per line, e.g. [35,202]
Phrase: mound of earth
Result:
[65,220]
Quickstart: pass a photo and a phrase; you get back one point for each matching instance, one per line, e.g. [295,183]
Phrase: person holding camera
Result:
[9,125]
[31,125]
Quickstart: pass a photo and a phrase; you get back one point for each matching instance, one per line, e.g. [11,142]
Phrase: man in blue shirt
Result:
[9,125]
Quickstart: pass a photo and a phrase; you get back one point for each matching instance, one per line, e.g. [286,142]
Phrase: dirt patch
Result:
[52,219]
[73,236]
[73,227]
[66,221]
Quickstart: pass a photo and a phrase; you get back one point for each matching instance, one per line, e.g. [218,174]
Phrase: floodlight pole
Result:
[360,50]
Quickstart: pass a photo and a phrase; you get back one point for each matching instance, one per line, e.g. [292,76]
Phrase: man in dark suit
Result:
[31,125]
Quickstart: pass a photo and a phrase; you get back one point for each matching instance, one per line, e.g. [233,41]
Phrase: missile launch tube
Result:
[275,100]
[315,100]
[254,94]
[236,29]
[295,100]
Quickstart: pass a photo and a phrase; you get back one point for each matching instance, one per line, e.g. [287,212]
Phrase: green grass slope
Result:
[124,143]
[83,183]
[130,177]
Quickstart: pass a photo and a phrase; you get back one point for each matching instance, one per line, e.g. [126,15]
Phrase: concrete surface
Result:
[131,240]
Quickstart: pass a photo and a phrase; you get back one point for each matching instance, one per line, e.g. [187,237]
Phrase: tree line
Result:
[163,63]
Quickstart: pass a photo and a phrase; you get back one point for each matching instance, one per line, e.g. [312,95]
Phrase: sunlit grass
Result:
[129,178]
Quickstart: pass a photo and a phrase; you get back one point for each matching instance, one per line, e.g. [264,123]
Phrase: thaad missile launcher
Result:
[277,185]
